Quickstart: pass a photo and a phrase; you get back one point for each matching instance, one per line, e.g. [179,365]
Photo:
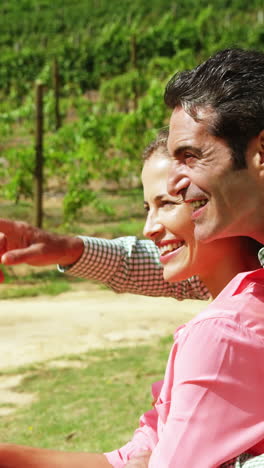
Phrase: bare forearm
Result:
[17,456]
[22,243]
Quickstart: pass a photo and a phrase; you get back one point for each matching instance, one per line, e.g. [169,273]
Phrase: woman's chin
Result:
[175,276]
[178,268]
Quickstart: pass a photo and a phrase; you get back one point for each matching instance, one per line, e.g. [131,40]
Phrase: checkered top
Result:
[245,460]
[128,264]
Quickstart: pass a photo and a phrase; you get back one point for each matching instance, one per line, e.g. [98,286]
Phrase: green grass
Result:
[95,407]
[34,283]
[50,289]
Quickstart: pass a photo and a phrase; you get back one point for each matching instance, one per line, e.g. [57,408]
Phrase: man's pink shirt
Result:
[210,406]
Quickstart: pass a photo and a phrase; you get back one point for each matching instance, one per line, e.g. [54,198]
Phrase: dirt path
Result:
[45,328]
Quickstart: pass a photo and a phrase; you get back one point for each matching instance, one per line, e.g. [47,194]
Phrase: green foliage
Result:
[16,171]
[114,60]
[145,121]
[111,50]
[161,67]
[93,40]
[124,90]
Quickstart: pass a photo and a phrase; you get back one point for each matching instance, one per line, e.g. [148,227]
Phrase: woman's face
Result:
[169,225]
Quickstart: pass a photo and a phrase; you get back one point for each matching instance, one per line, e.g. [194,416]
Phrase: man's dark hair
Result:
[230,87]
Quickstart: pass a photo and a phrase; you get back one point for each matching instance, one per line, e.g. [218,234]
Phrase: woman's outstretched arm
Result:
[18,456]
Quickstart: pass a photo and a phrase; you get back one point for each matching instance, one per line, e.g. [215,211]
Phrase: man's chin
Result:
[204,233]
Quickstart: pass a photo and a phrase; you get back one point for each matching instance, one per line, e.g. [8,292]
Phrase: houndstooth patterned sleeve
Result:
[246,460]
[261,256]
[128,264]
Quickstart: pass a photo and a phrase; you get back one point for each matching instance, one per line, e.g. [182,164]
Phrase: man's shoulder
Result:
[245,282]
[240,304]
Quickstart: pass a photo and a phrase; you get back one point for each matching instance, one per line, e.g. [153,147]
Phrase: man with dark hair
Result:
[216,141]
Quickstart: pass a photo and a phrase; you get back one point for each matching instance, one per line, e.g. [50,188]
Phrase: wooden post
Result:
[133,50]
[38,192]
[56,87]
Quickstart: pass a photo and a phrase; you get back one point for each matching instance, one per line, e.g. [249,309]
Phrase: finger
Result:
[11,234]
[31,255]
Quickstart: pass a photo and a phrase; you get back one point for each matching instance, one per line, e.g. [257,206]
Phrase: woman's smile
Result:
[168,222]
[168,249]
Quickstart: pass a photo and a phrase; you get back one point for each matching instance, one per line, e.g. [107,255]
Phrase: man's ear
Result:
[255,154]
[261,146]
[257,161]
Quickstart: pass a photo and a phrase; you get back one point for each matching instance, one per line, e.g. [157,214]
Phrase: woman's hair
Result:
[160,142]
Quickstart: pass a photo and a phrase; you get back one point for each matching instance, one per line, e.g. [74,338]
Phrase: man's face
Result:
[202,171]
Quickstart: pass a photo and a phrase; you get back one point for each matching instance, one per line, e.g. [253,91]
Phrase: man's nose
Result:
[178,181]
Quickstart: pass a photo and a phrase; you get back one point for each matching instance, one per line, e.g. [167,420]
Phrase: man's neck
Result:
[242,257]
